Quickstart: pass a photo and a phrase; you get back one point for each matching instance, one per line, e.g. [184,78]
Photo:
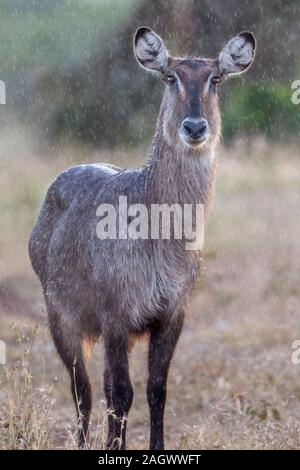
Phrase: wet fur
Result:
[123,289]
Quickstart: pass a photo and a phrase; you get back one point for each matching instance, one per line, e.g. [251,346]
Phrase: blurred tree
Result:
[92,89]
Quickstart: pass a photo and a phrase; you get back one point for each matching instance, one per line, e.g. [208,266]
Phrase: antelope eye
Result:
[215,80]
[170,79]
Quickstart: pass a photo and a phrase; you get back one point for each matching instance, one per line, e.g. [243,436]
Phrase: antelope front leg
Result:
[163,340]
[118,389]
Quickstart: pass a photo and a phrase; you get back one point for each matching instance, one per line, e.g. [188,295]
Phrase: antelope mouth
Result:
[194,143]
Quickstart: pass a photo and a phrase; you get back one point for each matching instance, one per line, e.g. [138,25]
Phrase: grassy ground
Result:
[232,383]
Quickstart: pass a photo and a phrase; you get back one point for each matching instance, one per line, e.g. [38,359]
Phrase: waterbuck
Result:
[123,288]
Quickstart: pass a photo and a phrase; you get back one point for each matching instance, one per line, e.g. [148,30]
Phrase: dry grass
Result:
[232,383]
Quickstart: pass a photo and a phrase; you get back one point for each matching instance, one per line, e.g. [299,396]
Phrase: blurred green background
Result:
[71,75]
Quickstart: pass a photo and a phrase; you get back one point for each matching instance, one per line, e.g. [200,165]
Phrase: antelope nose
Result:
[194,128]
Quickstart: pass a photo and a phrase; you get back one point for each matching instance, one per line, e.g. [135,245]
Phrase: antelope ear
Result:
[238,54]
[150,50]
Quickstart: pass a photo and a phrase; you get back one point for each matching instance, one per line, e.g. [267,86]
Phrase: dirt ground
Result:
[232,384]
